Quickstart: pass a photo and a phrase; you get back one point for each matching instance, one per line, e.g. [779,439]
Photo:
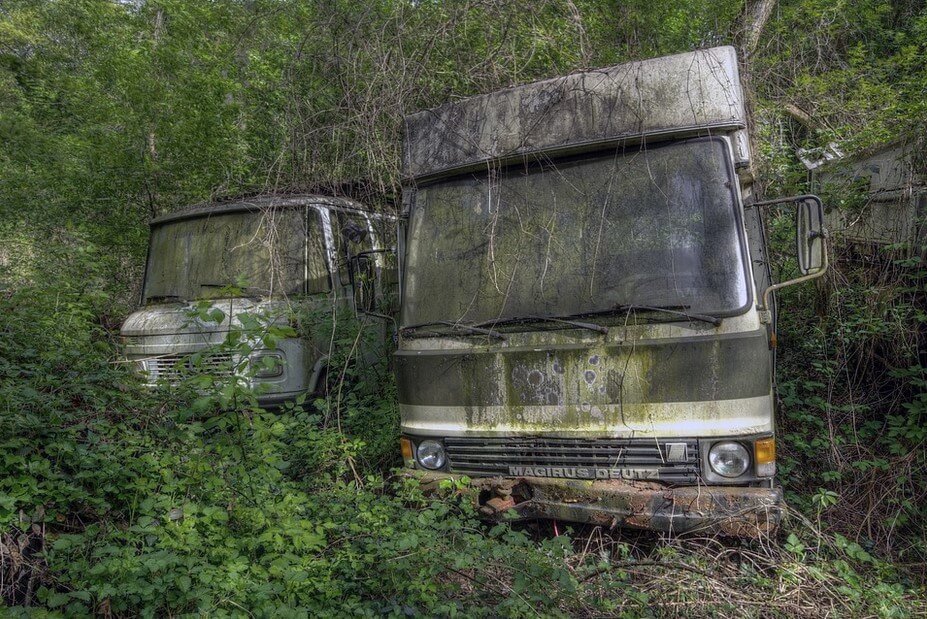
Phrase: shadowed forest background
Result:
[119,501]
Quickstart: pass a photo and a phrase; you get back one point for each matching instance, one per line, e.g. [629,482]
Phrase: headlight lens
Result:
[267,365]
[729,459]
[430,454]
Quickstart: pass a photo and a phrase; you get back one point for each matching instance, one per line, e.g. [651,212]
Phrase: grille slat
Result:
[631,450]
[672,476]
[174,367]
[558,459]
[493,456]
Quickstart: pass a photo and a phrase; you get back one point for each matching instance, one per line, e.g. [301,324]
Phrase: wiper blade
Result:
[673,310]
[164,297]
[231,286]
[564,320]
[249,291]
[456,326]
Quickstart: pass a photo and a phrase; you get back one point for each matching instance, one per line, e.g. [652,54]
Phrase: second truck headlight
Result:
[267,365]
[729,459]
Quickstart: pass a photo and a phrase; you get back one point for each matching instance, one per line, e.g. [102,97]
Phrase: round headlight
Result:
[430,454]
[729,459]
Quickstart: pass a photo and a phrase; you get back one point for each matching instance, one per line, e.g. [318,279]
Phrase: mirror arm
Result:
[765,316]
[804,196]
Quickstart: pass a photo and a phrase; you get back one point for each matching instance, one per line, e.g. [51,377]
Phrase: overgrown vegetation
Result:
[120,501]
[117,500]
[854,404]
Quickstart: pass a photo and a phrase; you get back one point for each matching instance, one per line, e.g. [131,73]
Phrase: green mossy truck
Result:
[251,265]
[587,323]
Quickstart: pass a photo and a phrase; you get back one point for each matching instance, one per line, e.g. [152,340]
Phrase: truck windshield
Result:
[656,226]
[263,252]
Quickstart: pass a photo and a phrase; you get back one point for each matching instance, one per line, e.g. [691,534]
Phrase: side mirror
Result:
[810,244]
[375,282]
[809,235]
[353,232]
[363,280]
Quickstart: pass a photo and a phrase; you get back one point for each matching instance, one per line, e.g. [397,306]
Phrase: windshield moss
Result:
[264,253]
[654,226]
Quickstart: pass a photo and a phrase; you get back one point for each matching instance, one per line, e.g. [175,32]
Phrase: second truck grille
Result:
[173,368]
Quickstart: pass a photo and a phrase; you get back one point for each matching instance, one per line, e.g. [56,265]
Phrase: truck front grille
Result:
[673,461]
[174,367]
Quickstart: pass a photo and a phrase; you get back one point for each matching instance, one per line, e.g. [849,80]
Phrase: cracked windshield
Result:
[655,226]
[262,252]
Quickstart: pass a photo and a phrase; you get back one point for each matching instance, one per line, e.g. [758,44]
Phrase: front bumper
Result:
[724,510]
[277,400]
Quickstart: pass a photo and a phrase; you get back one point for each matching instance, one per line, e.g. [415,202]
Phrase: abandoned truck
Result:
[258,261]
[891,189]
[587,320]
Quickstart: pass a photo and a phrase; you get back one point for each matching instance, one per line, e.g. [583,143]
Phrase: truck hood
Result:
[171,328]
[177,318]
[581,385]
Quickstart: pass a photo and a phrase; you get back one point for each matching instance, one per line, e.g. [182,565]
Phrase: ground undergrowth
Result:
[118,501]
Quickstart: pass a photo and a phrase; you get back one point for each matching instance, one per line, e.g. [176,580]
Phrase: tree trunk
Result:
[750,27]
[152,147]
[752,22]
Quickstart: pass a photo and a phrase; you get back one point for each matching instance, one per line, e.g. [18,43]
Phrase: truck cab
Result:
[262,259]
[587,317]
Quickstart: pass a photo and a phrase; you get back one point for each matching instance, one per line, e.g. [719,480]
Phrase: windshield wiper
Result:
[164,297]
[565,320]
[254,293]
[673,310]
[456,326]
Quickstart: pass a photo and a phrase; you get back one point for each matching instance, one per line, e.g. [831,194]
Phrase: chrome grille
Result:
[494,456]
[173,368]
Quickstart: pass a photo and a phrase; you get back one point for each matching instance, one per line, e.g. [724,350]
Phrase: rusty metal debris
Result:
[725,510]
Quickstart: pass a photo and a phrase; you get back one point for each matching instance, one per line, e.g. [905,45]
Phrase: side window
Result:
[318,279]
[387,259]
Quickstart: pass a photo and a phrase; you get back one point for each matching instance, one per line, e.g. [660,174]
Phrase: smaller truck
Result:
[269,257]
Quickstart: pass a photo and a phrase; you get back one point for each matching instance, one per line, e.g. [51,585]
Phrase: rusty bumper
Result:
[725,510]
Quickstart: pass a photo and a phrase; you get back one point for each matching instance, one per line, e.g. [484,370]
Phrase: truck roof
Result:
[887,167]
[672,96]
[254,203]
